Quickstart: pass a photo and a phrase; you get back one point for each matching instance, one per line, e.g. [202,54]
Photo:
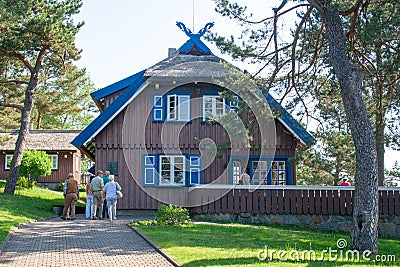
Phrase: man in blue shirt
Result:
[105,180]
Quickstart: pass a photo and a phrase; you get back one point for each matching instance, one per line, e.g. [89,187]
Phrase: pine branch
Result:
[14,81]
[11,105]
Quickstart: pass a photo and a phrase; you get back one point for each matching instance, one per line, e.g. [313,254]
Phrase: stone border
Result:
[19,226]
[152,244]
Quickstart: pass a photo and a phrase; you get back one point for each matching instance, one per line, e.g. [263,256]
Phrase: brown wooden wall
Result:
[131,134]
[66,164]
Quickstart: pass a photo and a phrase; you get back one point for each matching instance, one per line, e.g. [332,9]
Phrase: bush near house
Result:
[35,164]
[168,215]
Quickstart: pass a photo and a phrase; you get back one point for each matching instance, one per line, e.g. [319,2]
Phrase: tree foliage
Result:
[63,101]
[35,164]
[319,53]
[37,38]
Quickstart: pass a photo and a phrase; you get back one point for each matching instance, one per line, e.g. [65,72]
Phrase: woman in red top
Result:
[345,182]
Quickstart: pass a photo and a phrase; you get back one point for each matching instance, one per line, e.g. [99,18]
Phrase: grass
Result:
[26,205]
[239,245]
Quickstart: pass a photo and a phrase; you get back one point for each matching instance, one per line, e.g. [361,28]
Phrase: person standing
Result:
[244,178]
[105,181]
[110,189]
[89,200]
[97,186]
[71,195]
[345,182]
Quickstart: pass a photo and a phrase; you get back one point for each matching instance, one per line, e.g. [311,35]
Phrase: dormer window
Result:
[213,106]
[178,108]
[172,107]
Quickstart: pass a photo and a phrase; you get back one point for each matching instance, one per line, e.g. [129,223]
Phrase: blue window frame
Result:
[178,108]
[214,105]
[175,106]
[149,170]
[171,170]
[158,113]
[234,105]
[263,170]
[194,170]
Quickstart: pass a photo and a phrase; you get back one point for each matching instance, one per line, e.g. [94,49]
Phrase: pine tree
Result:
[36,36]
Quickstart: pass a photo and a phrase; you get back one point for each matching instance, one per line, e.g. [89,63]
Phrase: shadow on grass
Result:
[250,261]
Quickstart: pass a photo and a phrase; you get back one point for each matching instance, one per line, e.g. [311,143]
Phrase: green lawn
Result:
[26,205]
[239,245]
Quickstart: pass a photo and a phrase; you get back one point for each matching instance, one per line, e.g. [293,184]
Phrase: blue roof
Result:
[115,87]
[289,121]
[194,41]
[113,109]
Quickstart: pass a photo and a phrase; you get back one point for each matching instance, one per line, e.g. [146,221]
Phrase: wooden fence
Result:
[294,200]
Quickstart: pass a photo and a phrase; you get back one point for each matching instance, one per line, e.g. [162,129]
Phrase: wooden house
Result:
[158,132]
[65,158]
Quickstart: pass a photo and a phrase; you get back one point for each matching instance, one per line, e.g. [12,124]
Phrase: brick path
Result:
[82,242]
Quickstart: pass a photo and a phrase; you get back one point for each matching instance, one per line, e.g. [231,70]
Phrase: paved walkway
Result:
[82,242]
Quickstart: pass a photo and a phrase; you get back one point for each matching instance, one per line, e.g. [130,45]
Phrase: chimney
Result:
[172,52]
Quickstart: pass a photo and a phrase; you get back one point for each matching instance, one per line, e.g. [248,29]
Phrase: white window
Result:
[172,169]
[278,173]
[213,106]
[260,172]
[237,172]
[7,162]
[54,162]
[178,108]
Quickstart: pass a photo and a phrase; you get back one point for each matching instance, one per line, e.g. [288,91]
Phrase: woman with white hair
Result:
[110,190]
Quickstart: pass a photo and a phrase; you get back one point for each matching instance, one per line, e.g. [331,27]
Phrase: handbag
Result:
[119,193]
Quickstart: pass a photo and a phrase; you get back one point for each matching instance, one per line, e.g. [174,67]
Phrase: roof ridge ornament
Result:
[189,33]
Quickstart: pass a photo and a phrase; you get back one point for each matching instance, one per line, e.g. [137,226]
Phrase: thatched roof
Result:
[187,66]
[47,140]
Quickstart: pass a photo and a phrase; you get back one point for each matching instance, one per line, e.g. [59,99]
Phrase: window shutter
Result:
[194,170]
[234,104]
[158,110]
[149,170]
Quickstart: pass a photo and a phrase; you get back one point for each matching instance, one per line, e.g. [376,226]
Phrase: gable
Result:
[115,87]
[193,63]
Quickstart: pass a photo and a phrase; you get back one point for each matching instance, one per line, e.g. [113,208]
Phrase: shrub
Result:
[172,215]
[35,164]
[60,187]
[25,182]
[82,188]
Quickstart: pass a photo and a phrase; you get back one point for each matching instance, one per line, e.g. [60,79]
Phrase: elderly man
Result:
[97,186]
[105,181]
[71,195]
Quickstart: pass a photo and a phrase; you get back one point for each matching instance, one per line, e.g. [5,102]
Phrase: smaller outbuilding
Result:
[65,157]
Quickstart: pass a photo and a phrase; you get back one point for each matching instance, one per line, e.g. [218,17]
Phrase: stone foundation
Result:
[389,226]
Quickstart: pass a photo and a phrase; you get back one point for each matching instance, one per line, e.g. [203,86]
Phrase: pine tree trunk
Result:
[364,234]
[380,148]
[380,118]
[39,118]
[23,133]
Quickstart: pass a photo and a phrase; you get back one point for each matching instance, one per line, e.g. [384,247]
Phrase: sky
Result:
[123,37]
